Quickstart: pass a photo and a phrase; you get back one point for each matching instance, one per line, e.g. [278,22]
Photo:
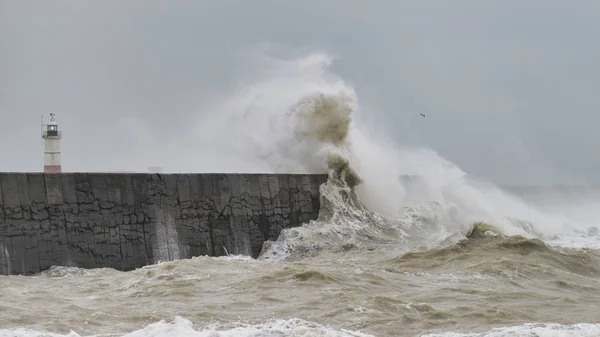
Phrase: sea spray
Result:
[343,218]
[299,117]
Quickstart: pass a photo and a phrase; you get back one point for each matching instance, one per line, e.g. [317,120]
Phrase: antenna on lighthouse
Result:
[51,136]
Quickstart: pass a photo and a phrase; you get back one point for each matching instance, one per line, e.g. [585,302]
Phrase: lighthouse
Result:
[52,136]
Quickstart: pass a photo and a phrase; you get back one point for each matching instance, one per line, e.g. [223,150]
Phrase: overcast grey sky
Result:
[510,88]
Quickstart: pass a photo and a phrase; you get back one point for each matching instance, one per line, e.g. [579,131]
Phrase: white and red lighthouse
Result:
[52,136]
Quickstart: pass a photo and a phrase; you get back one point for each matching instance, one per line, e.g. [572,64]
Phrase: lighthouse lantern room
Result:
[52,136]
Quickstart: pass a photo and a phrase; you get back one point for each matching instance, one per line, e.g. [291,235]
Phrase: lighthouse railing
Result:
[52,133]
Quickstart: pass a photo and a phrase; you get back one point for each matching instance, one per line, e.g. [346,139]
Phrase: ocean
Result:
[406,243]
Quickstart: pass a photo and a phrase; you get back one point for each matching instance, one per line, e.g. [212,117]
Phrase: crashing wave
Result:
[301,118]
[343,218]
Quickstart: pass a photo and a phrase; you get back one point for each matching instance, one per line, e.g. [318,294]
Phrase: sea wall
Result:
[126,221]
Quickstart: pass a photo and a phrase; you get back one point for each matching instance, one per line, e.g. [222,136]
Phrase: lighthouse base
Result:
[52,169]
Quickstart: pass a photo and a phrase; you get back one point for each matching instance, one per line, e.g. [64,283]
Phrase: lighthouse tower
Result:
[52,137]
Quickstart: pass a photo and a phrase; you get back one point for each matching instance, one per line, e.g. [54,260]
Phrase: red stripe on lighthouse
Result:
[52,169]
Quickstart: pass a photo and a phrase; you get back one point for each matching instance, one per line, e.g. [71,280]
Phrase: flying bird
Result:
[422,115]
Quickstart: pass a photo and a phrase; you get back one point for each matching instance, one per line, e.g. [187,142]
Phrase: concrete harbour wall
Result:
[126,221]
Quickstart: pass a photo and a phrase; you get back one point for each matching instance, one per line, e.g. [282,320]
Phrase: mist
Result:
[507,88]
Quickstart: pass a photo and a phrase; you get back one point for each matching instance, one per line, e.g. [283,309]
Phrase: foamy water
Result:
[388,256]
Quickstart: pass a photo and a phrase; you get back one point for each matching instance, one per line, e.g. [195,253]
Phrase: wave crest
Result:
[301,118]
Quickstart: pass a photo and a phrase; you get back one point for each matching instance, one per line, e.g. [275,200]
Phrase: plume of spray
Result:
[298,118]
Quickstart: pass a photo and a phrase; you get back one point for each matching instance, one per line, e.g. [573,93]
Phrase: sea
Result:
[406,242]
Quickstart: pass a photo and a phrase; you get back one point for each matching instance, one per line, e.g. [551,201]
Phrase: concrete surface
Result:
[126,221]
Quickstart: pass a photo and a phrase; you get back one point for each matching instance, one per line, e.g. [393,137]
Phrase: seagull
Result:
[422,115]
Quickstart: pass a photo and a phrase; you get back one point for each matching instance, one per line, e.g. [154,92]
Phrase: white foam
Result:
[22,332]
[532,330]
[278,328]
[182,327]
